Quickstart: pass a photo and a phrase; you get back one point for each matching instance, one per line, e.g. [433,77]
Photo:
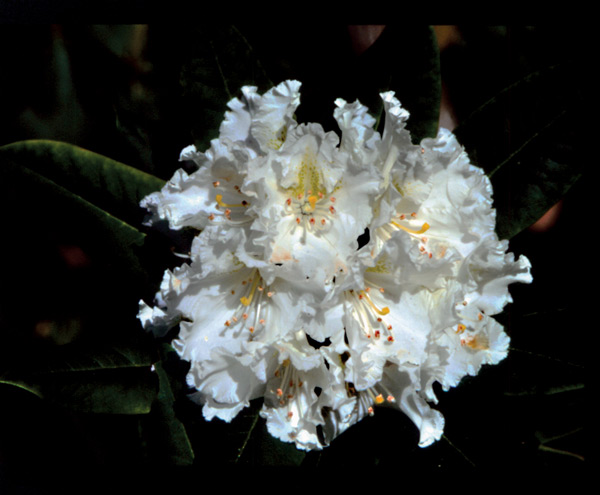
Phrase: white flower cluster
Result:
[331,276]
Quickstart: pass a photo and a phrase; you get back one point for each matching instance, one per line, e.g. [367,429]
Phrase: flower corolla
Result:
[331,275]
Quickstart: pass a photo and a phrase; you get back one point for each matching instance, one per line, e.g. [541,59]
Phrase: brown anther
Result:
[216,183]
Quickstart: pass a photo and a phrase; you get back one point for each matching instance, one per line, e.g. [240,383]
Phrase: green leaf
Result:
[167,435]
[107,184]
[526,138]
[87,377]
[90,197]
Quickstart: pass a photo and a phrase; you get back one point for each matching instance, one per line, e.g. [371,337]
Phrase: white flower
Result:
[311,202]
[280,301]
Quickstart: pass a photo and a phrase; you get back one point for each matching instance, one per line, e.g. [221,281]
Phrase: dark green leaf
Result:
[105,183]
[526,138]
[167,436]
[113,379]
[91,198]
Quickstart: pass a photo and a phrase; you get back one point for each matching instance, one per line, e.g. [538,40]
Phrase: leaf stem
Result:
[247,439]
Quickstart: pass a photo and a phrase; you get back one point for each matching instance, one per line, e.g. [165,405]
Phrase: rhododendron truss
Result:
[280,300]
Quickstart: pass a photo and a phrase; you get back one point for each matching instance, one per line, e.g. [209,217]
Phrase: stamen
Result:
[247,300]
[422,230]
[383,311]
[219,199]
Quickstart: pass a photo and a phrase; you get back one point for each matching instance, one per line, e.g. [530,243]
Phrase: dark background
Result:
[118,90]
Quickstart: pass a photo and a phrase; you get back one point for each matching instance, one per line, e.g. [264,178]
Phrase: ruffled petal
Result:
[331,276]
